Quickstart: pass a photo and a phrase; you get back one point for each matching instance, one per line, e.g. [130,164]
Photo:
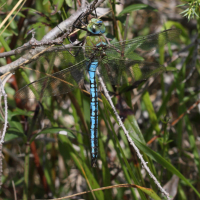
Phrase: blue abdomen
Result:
[93,113]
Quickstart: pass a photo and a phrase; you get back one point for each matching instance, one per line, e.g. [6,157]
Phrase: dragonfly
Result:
[119,63]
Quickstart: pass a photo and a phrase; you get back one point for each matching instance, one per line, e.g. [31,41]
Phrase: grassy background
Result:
[50,164]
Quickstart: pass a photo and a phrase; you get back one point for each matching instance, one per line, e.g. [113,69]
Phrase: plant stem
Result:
[26,171]
[129,138]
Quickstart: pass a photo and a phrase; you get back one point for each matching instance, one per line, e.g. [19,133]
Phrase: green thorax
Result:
[94,40]
[95,43]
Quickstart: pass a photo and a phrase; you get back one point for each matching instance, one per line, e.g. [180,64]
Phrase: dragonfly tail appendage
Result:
[93,114]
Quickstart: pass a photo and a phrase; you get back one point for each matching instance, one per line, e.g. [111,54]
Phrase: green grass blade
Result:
[120,154]
[151,112]
[105,170]
[66,150]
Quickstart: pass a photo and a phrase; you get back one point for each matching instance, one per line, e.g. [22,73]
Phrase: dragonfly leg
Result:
[95,12]
[107,39]
[78,27]
[81,42]
[81,21]
[67,38]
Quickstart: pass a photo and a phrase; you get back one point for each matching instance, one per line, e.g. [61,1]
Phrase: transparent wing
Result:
[140,47]
[71,58]
[125,61]
[69,54]
[119,72]
[61,82]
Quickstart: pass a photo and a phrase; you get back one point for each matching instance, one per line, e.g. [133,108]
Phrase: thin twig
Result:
[11,12]
[176,120]
[34,43]
[51,35]
[83,3]
[114,21]
[101,189]
[3,93]
[14,190]
[2,135]
[186,112]
[2,5]
[13,18]
[129,138]
[1,165]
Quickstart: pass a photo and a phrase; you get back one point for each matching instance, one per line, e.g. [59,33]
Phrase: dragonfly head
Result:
[96,26]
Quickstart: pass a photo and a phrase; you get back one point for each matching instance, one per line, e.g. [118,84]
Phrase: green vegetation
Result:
[46,153]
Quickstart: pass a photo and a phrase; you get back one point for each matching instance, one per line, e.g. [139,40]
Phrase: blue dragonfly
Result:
[119,63]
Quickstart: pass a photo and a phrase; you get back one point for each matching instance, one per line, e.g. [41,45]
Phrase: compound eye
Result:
[93,28]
